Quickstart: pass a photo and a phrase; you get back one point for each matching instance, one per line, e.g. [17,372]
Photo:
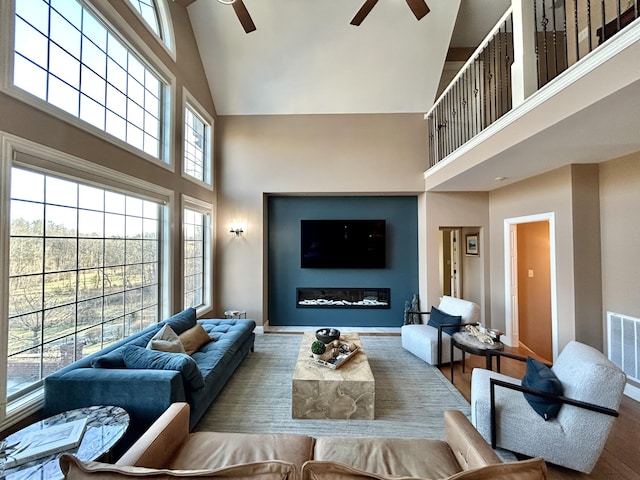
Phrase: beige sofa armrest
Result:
[466,443]
[163,438]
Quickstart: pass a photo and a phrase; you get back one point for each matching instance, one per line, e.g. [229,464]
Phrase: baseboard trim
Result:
[632,392]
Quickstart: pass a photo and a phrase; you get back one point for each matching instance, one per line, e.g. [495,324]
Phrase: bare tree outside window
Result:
[83,272]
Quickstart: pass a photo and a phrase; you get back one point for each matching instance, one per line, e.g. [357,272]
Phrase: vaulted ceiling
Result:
[306,58]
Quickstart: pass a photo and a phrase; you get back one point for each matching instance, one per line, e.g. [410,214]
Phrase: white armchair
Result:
[430,343]
[592,389]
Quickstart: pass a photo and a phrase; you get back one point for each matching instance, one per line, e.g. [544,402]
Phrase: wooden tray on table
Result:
[347,352]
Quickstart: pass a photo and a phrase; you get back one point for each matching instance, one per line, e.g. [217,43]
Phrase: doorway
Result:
[530,280]
[450,264]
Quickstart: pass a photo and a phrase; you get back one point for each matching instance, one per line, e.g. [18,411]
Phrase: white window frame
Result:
[189,101]
[167,35]
[61,164]
[107,14]
[206,209]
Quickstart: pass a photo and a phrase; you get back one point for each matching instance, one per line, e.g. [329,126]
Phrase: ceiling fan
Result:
[242,13]
[418,7]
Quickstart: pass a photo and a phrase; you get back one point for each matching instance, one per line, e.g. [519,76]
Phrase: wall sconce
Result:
[238,230]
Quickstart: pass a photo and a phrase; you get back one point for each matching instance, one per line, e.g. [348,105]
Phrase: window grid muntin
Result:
[115,123]
[196,131]
[148,311]
[148,11]
[195,225]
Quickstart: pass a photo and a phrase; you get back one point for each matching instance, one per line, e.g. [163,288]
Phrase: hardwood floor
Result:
[621,457]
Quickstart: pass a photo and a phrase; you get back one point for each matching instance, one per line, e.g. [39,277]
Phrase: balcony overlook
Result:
[552,84]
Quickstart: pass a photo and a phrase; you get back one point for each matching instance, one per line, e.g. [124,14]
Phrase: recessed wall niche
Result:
[286,276]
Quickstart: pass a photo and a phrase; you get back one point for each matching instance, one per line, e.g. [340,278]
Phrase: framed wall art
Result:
[471,244]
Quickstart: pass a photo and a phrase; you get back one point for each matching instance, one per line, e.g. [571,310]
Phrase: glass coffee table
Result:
[105,427]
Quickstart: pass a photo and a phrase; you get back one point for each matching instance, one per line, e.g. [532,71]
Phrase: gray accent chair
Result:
[592,391]
[431,344]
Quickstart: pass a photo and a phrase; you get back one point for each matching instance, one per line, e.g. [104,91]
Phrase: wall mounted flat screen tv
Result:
[343,243]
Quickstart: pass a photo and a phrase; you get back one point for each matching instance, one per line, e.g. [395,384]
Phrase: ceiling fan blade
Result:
[418,7]
[363,12]
[243,15]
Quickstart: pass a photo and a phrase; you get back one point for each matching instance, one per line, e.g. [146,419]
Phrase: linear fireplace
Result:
[343,298]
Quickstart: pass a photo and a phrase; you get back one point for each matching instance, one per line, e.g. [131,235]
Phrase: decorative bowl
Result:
[327,335]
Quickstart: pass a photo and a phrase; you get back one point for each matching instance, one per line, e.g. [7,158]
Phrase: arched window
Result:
[155,15]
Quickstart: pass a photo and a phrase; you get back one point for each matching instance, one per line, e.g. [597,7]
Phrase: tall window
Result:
[196,160]
[149,13]
[196,252]
[67,57]
[83,272]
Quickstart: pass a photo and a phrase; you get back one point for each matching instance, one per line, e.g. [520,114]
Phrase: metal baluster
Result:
[565,38]
[477,98]
[430,137]
[575,19]
[589,24]
[457,116]
[619,23]
[508,57]
[604,23]
[555,43]
[544,21]
[495,80]
[499,104]
[468,133]
[454,116]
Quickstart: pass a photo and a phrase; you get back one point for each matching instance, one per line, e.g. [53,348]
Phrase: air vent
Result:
[624,343]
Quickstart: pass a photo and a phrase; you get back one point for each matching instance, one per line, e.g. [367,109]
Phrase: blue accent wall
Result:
[285,274]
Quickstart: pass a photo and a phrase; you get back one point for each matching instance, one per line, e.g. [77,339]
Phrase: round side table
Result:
[105,427]
[235,314]
[469,343]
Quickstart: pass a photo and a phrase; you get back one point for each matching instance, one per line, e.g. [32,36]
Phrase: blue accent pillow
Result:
[143,358]
[112,359]
[181,322]
[438,317]
[539,376]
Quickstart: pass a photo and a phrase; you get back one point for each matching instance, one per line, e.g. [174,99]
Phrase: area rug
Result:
[411,395]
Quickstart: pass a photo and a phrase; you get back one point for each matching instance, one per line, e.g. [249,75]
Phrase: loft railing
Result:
[478,95]
[533,43]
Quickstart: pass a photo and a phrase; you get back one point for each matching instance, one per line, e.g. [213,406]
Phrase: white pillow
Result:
[166,340]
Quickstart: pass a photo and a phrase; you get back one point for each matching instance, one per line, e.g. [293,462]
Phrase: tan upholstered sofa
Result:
[168,450]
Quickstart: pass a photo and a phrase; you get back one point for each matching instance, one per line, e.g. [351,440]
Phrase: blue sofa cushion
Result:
[438,317]
[181,322]
[112,359]
[142,358]
[539,376]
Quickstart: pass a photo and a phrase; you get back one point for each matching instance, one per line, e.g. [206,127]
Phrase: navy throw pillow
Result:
[143,358]
[109,360]
[181,322]
[539,376]
[438,317]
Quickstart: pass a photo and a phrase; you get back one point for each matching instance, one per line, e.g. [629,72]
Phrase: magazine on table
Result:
[46,441]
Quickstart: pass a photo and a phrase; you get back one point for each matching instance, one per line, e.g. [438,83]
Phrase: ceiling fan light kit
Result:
[418,7]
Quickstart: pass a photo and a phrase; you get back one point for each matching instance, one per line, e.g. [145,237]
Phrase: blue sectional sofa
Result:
[147,390]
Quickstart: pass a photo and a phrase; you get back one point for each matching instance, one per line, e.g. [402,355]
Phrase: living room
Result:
[258,157]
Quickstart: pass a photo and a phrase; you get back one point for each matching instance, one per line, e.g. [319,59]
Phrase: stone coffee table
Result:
[320,392]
